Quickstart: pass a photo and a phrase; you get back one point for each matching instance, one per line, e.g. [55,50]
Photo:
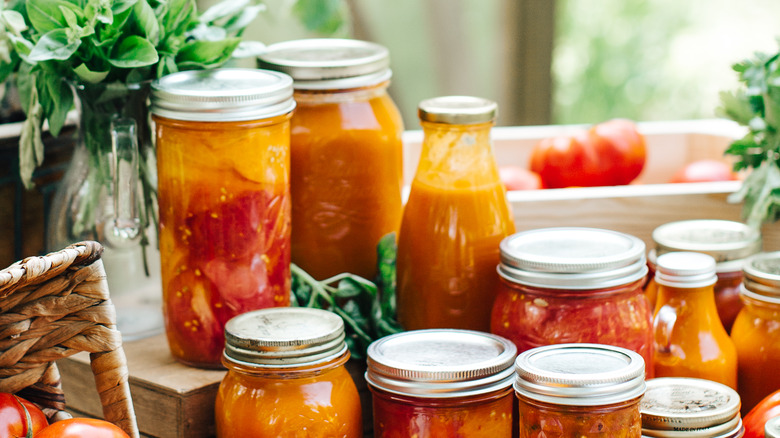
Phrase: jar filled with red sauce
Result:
[223,160]
[442,383]
[728,242]
[456,216]
[679,407]
[563,285]
[579,390]
[346,174]
[756,331]
[287,377]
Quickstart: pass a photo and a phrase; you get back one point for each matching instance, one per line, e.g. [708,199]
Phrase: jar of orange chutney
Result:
[562,285]
[579,390]
[441,383]
[224,197]
[346,175]
[286,377]
[756,331]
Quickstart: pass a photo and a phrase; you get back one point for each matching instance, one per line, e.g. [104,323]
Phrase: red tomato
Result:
[755,420]
[13,421]
[610,153]
[82,428]
[704,171]
[519,178]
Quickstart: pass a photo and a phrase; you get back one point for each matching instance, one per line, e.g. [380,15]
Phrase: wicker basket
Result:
[52,307]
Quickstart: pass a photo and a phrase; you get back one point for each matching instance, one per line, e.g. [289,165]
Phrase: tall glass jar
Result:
[728,242]
[579,390]
[286,377]
[561,285]
[756,331]
[679,407]
[456,216]
[224,198]
[690,340]
[346,175]
[441,383]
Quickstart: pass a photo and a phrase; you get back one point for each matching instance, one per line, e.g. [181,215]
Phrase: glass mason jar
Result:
[756,331]
[224,199]
[456,216]
[678,407]
[579,390]
[689,339]
[728,242]
[286,377]
[772,428]
[346,153]
[441,383]
[563,285]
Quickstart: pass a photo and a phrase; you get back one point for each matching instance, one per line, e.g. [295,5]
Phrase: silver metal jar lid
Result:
[329,63]
[685,269]
[457,110]
[580,374]
[725,241]
[572,258]
[687,407]
[284,337]
[222,95]
[761,276]
[441,363]
[772,428]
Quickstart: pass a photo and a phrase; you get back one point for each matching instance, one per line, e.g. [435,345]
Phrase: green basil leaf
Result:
[134,51]
[323,16]
[147,21]
[223,9]
[178,16]
[14,20]
[89,76]
[54,44]
[46,15]
[61,97]
[121,6]
[205,54]
[239,22]
[30,143]
[348,288]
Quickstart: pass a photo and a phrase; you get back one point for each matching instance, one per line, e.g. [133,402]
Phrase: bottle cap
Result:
[685,270]
[761,277]
[457,110]
[772,428]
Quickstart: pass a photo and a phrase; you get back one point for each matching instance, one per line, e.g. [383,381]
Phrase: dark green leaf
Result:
[92,77]
[61,97]
[205,54]
[147,21]
[178,16]
[134,51]
[348,288]
[54,45]
[323,16]
[46,15]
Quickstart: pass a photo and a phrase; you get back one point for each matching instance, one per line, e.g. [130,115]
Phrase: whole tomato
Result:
[704,171]
[609,153]
[519,178]
[82,428]
[13,421]
[755,420]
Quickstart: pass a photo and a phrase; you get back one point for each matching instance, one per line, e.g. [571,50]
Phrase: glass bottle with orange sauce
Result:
[442,383]
[286,377]
[690,340]
[346,175]
[579,390]
[455,218]
[223,159]
[756,331]
[682,407]
[729,242]
[563,285]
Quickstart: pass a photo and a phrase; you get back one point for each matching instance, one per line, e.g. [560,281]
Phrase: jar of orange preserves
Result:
[728,242]
[456,216]
[689,339]
[579,390]
[286,377]
[441,383]
[562,285]
[224,198]
[346,175]
[679,407]
[756,331]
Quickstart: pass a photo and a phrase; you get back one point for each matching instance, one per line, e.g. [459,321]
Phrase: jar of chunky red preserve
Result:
[564,285]
[682,407]
[579,390]
[728,242]
[442,383]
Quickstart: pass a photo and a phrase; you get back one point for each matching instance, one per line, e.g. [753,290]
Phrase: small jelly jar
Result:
[441,383]
[772,428]
[579,390]
[562,285]
[286,377]
[756,331]
[728,242]
[682,407]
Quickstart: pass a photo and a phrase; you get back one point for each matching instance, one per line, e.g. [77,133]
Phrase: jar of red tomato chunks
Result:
[579,390]
[223,166]
[562,285]
[442,383]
